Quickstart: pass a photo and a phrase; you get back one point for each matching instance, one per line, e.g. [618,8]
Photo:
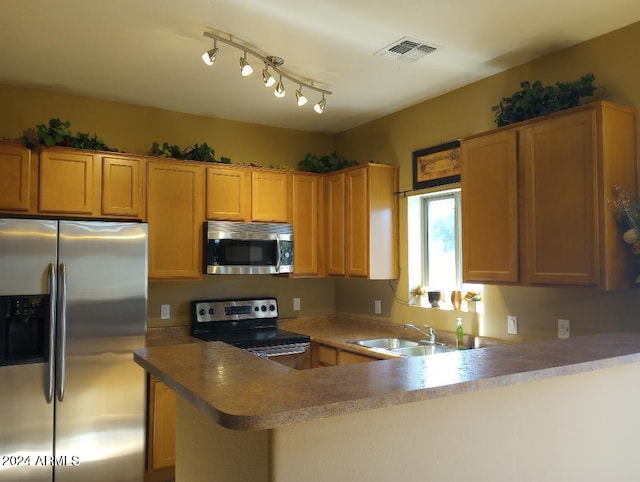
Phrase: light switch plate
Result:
[564,330]
[512,325]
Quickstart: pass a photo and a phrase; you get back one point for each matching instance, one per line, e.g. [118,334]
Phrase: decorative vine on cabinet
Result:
[534,199]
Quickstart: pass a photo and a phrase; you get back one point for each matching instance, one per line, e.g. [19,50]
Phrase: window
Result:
[435,242]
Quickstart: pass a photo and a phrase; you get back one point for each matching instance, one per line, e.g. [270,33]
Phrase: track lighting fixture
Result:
[270,61]
[245,67]
[267,78]
[319,107]
[279,90]
[210,57]
[302,100]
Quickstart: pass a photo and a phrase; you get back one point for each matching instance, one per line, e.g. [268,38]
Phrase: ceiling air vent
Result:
[407,50]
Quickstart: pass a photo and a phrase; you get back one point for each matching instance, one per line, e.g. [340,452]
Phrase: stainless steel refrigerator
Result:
[73,306]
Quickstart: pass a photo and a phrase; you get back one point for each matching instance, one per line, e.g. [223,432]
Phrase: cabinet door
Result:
[561,200]
[162,431]
[228,194]
[269,196]
[122,187]
[357,223]
[306,192]
[489,190]
[334,212]
[15,178]
[69,183]
[175,215]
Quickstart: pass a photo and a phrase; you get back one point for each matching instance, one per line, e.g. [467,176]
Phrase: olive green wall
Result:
[467,111]
[390,139]
[133,129]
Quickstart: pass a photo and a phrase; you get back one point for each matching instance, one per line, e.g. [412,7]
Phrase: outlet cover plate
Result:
[378,307]
[165,312]
[296,304]
[512,325]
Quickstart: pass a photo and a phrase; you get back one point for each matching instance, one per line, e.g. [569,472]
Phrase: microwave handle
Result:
[278,254]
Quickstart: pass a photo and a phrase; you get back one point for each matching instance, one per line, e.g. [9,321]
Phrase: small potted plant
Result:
[417,294]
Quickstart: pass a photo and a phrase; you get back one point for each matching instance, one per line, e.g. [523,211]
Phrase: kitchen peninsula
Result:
[556,410]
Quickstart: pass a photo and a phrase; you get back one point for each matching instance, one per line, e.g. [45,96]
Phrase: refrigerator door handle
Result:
[53,283]
[62,333]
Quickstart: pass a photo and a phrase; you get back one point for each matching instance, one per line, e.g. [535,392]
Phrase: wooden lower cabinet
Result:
[328,356]
[161,432]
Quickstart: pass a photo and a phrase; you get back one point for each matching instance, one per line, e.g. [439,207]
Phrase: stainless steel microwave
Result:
[247,248]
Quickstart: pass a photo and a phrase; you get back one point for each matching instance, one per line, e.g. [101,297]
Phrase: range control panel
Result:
[234,310]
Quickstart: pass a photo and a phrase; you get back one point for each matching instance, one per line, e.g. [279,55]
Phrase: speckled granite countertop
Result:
[244,392]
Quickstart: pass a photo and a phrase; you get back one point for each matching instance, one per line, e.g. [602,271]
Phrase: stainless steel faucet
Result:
[431,334]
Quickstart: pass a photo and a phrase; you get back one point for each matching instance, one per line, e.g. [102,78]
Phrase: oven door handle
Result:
[278,254]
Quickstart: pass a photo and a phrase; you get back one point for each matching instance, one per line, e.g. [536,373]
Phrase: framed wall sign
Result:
[437,165]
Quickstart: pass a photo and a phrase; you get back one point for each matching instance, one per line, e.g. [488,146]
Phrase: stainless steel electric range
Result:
[250,324]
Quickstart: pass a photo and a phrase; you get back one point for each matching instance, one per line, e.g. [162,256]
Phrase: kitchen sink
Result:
[422,350]
[401,346]
[386,343]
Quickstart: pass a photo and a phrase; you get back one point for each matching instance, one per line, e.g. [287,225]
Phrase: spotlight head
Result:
[300,98]
[245,68]
[209,57]
[319,107]
[267,78]
[279,92]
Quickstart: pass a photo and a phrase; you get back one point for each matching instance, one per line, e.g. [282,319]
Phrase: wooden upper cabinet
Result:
[334,215]
[175,213]
[269,196]
[357,223]
[123,187]
[307,192]
[567,164]
[361,213]
[490,208]
[69,182]
[228,193]
[561,201]
[15,178]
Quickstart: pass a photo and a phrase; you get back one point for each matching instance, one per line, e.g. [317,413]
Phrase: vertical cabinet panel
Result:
[335,215]
[122,187]
[69,182]
[228,194]
[269,200]
[306,223]
[175,215]
[15,177]
[561,201]
[357,219]
[490,208]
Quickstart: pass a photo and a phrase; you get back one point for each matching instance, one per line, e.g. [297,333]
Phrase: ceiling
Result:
[148,52]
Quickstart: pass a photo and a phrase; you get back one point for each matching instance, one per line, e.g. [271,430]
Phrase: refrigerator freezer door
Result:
[27,250]
[100,422]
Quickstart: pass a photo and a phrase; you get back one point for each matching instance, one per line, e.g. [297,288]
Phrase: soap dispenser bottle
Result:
[459,335]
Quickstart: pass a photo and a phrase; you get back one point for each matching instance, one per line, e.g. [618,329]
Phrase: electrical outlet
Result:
[512,325]
[165,312]
[296,304]
[563,328]
[378,307]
